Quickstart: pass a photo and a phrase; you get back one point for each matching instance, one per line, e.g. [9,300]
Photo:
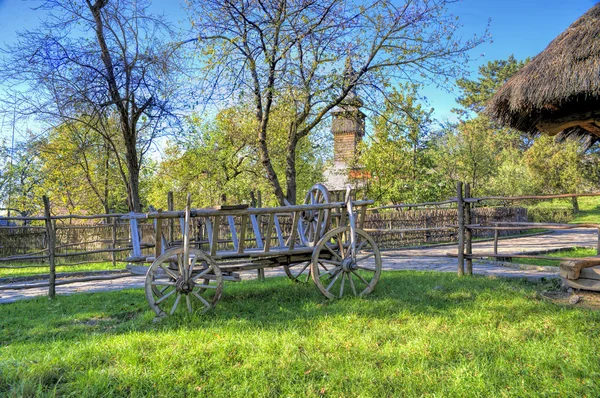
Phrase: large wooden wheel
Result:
[314,223]
[336,271]
[299,272]
[174,283]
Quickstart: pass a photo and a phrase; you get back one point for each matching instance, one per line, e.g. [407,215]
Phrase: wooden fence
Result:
[48,241]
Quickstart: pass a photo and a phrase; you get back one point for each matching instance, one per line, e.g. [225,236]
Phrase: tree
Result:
[293,51]
[475,93]
[80,170]
[90,63]
[20,178]
[218,161]
[396,153]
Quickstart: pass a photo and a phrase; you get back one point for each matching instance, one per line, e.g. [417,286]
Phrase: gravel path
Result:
[426,259]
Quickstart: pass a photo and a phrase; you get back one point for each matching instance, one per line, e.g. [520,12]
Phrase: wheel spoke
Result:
[192,265]
[163,283]
[188,302]
[164,289]
[365,257]
[352,284]
[166,296]
[361,278]
[332,272]
[300,273]
[332,252]
[199,297]
[176,303]
[307,275]
[331,262]
[180,265]
[367,268]
[207,286]
[340,244]
[168,271]
[323,266]
[342,286]
[333,281]
[201,274]
[359,247]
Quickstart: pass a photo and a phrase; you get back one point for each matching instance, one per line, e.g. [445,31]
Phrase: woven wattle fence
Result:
[434,218]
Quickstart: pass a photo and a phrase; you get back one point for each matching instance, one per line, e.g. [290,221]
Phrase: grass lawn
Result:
[418,334]
[101,266]
[589,208]
[575,252]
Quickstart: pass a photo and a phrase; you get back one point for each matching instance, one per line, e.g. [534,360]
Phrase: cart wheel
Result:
[170,285]
[335,272]
[309,225]
[299,272]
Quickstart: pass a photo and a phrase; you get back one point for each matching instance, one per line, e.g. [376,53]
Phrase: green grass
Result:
[589,208]
[418,334]
[575,252]
[100,266]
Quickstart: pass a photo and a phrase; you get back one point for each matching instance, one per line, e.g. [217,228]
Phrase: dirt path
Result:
[410,259]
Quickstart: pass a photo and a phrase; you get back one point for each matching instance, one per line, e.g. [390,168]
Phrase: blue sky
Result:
[519,27]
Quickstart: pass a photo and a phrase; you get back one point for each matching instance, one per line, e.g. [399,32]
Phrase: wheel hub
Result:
[348,264]
[184,286]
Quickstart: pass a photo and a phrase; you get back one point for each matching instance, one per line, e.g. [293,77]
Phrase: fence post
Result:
[461,228]
[114,241]
[496,234]
[158,235]
[170,207]
[51,235]
[598,245]
[469,231]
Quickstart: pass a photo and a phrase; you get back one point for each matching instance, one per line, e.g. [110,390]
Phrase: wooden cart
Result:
[317,240]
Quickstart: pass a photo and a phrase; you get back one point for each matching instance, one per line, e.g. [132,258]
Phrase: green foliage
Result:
[418,333]
[81,171]
[492,76]
[396,154]
[219,162]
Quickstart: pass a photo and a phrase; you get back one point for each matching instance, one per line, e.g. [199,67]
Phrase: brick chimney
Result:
[348,128]
[348,125]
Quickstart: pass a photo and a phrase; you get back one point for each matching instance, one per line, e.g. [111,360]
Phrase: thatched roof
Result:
[558,91]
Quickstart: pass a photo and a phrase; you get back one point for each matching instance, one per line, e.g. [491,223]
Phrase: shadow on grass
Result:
[277,303]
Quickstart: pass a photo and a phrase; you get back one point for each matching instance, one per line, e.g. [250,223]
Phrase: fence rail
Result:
[48,241]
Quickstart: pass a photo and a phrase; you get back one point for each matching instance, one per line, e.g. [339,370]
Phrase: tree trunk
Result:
[290,170]
[133,168]
[575,204]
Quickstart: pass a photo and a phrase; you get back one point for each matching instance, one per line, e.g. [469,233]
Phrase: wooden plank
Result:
[243,227]
[320,216]
[249,211]
[256,229]
[280,239]
[590,273]
[215,236]
[114,241]
[567,195]
[233,207]
[362,216]
[584,284]
[292,238]
[209,231]
[135,238]
[234,236]
[268,234]
[170,207]
[158,236]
